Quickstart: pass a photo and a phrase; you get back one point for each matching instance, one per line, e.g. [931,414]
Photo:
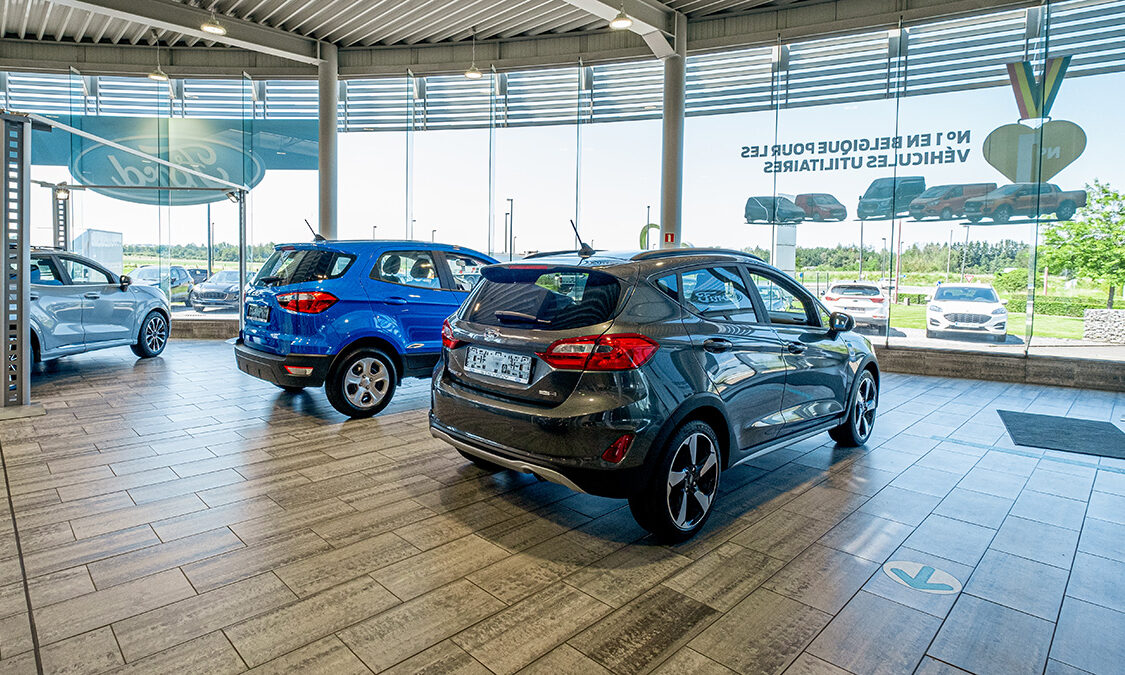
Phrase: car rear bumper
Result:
[272,367]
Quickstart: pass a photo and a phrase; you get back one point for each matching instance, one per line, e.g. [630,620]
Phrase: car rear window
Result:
[295,266]
[544,298]
[862,291]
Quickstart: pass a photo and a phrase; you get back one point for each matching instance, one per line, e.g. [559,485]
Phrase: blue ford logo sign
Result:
[97,164]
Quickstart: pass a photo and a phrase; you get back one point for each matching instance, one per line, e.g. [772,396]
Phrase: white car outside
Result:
[862,300]
[967,308]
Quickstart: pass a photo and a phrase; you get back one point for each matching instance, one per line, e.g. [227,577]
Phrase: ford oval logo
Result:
[492,334]
[97,164]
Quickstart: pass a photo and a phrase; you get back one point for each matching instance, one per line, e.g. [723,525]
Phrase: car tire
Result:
[947,213]
[480,463]
[681,493]
[817,217]
[153,335]
[362,383]
[856,428]
[1002,214]
[198,308]
[973,219]
[1065,211]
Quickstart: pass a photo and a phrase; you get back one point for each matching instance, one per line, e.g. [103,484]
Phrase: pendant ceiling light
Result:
[159,75]
[473,73]
[213,26]
[621,21]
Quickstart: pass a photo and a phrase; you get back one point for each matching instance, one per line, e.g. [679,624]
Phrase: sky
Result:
[615,178]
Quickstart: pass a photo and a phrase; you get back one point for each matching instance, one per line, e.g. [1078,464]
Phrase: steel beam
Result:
[328,93]
[185,19]
[651,20]
[672,149]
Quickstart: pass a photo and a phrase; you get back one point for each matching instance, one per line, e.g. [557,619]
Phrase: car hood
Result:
[225,288]
[965,307]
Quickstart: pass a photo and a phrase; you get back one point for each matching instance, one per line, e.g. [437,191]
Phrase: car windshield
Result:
[824,200]
[855,290]
[224,277]
[883,191]
[294,266]
[934,192]
[965,294]
[146,274]
[543,298]
[1007,189]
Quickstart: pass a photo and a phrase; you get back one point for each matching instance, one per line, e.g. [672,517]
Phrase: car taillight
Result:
[607,352]
[831,298]
[617,450]
[306,302]
[878,299]
[447,339]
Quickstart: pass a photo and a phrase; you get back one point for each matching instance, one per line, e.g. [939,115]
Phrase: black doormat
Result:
[1089,437]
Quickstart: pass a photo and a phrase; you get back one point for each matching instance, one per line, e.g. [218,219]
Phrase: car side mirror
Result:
[838,322]
[1003,301]
[125,281]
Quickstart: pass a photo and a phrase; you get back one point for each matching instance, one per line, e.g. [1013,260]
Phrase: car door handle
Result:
[92,295]
[394,301]
[33,296]
[795,347]
[717,345]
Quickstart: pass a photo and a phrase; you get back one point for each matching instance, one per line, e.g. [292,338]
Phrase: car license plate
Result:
[511,367]
[258,312]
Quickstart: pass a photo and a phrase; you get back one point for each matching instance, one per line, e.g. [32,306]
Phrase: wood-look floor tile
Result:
[64,511]
[352,527]
[324,570]
[183,486]
[215,517]
[156,461]
[15,635]
[85,612]
[282,630]
[299,517]
[247,562]
[782,534]
[444,658]
[211,654]
[875,635]
[384,493]
[565,660]
[983,637]
[516,636]
[131,516]
[193,617]
[256,487]
[627,572]
[822,577]
[282,464]
[101,486]
[522,531]
[44,537]
[687,660]
[438,566]
[211,463]
[726,575]
[643,632]
[92,652]
[88,550]
[160,557]
[520,575]
[340,467]
[328,655]
[99,459]
[762,634]
[402,631]
[455,524]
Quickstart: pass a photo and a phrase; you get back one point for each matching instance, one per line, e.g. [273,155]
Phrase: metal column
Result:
[62,220]
[328,93]
[241,261]
[17,276]
[672,154]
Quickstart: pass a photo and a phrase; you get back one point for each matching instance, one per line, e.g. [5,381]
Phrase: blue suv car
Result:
[355,316]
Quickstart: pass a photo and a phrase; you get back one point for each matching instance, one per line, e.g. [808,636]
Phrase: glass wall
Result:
[952,184]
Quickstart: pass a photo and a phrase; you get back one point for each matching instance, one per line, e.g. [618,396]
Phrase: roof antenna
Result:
[585,250]
[316,235]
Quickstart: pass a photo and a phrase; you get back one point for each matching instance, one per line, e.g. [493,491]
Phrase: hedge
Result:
[1056,305]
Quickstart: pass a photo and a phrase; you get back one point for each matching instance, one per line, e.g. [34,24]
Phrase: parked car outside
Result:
[820,206]
[353,316]
[173,280]
[646,375]
[887,284]
[77,305]
[862,300]
[219,291]
[772,210]
[890,197]
[1025,199]
[198,274]
[947,202]
[967,308]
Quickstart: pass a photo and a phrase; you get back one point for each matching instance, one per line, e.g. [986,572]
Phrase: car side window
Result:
[43,272]
[410,268]
[784,305]
[465,270]
[81,273]
[669,285]
[718,293]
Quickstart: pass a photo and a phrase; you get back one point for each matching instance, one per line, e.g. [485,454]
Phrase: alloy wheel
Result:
[865,402]
[156,333]
[693,480]
[366,382]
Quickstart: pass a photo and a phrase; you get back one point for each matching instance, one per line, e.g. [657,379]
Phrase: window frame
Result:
[113,278]
[448,283]
[435,258]
[812,305]
[55,269]
[734,266]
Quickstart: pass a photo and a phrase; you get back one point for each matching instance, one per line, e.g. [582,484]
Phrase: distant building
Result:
[101,245]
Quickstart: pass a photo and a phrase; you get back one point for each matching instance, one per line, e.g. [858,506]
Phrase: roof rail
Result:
[547,254]
[670,252]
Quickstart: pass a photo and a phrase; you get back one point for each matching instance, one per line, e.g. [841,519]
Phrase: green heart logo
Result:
[1027,155]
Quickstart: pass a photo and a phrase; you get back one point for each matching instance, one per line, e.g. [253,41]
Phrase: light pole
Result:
[373,228]
[888,259]
[861,250]
[949,254]
[433,236]
[412,221]
[511,227]
[964,251]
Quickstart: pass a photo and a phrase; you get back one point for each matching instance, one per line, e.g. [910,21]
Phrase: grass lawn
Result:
[914,316]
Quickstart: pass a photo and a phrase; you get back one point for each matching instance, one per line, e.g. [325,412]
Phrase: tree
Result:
[1093,244]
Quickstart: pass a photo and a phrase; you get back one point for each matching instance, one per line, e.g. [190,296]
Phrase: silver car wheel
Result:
[366,382]
[865,402]
[693,480]
[156,333]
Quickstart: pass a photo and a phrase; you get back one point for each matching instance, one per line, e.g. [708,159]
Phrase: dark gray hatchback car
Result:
[646,375]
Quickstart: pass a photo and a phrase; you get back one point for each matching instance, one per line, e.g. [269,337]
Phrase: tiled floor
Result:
[176,515]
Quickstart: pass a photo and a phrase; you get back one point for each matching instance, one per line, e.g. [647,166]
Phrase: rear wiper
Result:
[517,317]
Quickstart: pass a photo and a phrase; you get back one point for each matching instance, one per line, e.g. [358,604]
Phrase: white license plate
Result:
[511,367]
[258,312]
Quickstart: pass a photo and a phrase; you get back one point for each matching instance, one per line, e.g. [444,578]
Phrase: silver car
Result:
[79,306]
